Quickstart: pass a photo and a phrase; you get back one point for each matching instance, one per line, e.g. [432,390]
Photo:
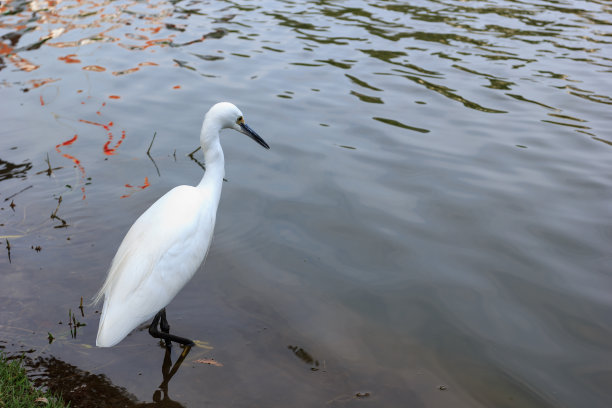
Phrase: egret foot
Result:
[165,331]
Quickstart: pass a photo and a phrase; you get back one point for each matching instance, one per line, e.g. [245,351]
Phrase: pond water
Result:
[431,227]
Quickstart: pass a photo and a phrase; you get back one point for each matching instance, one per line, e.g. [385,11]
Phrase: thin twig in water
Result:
[149,154]
[152,140]
[19,192]
[72,330]
[202,165]
[49,170]
[192,153]
[8,248]
[81,307]
[54,215]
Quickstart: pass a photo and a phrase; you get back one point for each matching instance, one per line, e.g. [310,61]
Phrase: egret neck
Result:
[213,157]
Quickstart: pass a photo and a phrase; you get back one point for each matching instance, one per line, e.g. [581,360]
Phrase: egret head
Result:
[229,116]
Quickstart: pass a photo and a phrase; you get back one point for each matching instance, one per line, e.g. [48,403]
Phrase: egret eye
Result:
[240,120]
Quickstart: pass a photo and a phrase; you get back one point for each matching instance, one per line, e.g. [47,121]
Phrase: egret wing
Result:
[157,257]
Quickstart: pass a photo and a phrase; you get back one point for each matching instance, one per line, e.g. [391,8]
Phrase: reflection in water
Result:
[160,396]
[77,162]
[466,35]
[10,170]
[84,389]
[63,18]
[54,216]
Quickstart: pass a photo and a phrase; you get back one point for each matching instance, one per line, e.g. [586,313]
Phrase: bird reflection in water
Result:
[160,396]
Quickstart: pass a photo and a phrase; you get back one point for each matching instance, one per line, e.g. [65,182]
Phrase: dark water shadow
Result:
[10,170]
[84,389]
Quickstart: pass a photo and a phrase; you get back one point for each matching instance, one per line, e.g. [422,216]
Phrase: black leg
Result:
[153,327]
[164,334]
[164,326]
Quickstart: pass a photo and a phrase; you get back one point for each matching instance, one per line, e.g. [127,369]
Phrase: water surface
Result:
[431,227]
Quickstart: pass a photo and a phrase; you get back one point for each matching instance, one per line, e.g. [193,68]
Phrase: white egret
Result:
[167,243]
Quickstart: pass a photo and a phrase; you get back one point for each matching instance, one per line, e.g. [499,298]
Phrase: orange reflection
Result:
[5,49]
[106,148]
[111,151]
[162,42]
[67,142]
[95,68]
[136,37]
[99,112]
[102,125]
[36,83]
[125,72]
[76,161]
[69,59]
[86,22]
[20,62]
[145,185]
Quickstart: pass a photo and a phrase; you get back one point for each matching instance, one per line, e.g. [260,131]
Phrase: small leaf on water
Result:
[203,344]
[209,361]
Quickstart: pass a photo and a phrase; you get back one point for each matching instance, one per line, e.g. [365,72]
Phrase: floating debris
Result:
[54,215]
[81,307]
[209,361]
[8,248]
[305,357]
[49,170]
[74,324]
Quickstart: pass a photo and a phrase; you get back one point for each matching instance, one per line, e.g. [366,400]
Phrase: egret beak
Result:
[252,134]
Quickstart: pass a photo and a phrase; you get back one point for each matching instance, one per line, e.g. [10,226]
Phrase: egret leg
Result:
[165,331]
[164,326]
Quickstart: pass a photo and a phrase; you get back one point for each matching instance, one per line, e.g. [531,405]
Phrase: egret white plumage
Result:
[167,243]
